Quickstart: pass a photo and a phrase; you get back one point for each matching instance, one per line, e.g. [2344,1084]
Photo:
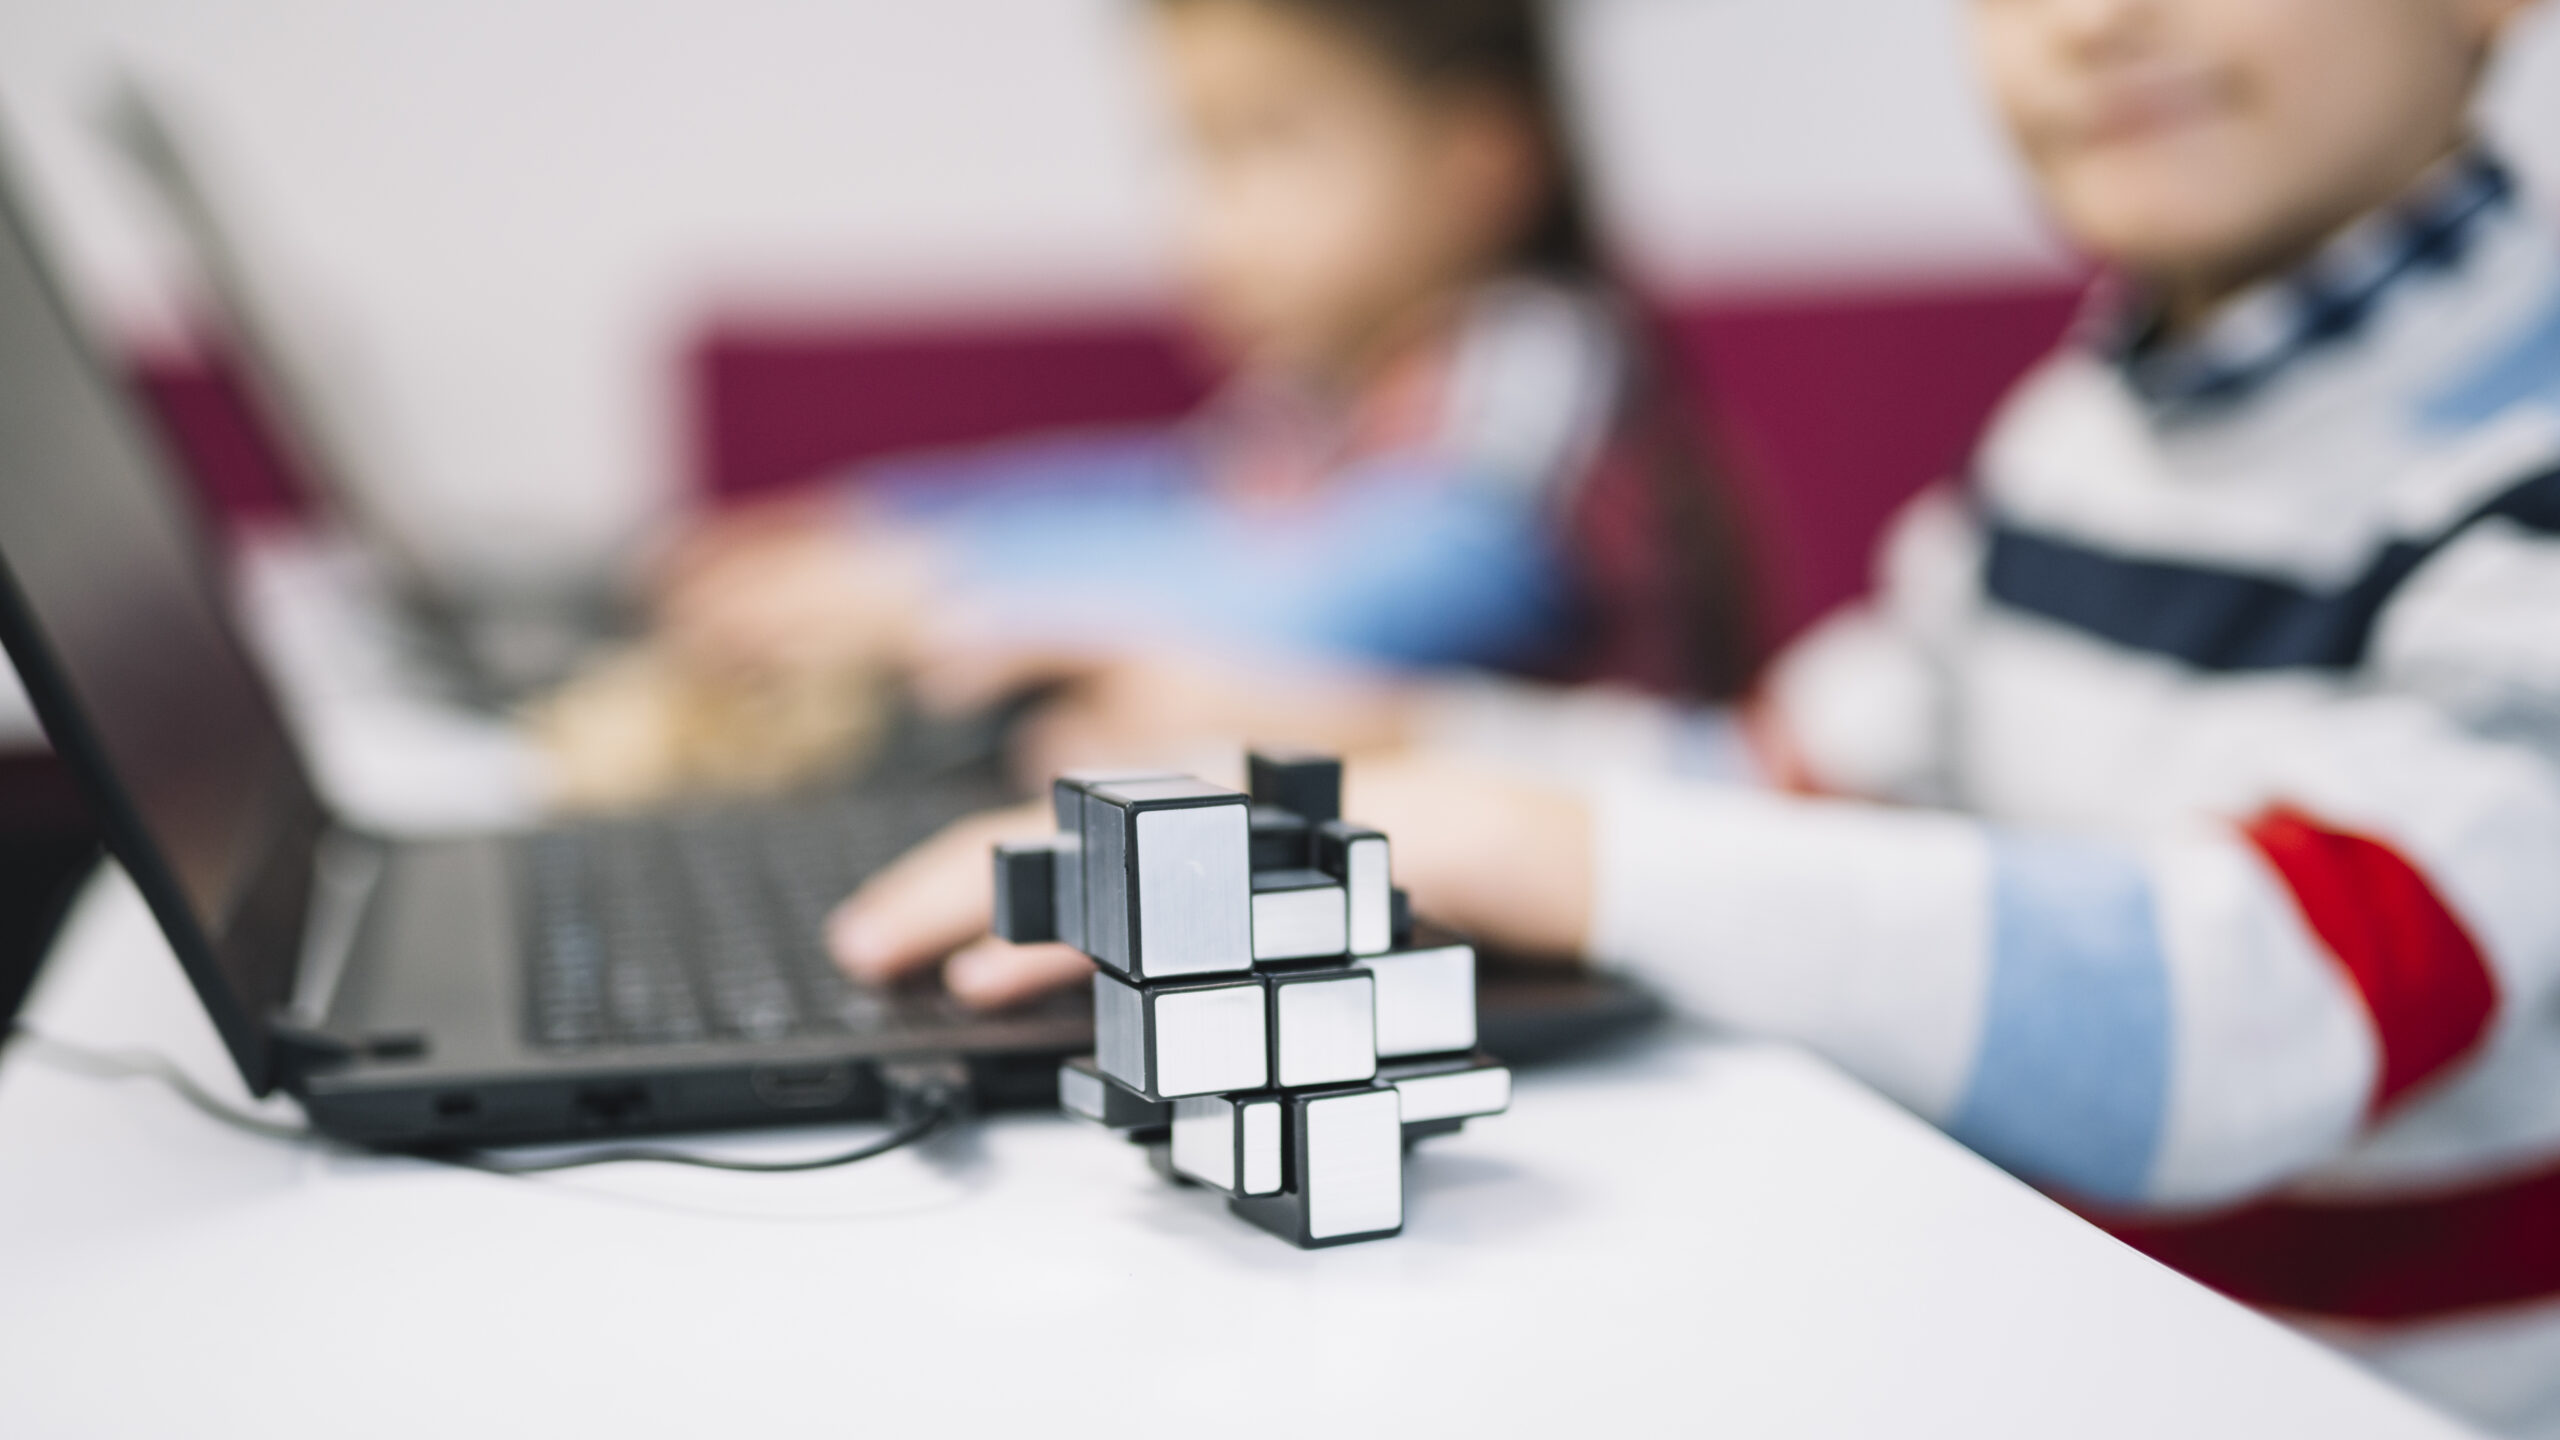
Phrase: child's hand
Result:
[737,533]
[1498,858]
[784,592]
[1162,707]
[936,900]
[1506,862]
[637,725]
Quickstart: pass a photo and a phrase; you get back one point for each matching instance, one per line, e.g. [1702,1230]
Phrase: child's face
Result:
[1333,203]
[2206,143]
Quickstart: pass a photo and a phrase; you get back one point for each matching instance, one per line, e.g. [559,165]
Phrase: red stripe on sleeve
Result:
[2418,1258]
[2421,975]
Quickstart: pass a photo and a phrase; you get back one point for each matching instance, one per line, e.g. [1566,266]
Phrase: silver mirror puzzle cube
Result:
[1265,1021]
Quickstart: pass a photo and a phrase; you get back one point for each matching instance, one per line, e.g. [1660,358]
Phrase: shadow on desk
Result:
[47,847]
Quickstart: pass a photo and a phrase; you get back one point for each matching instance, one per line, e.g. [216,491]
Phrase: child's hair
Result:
[1506,47]
[1501,46]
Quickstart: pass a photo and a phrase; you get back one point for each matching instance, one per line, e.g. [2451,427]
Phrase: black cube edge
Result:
[1026,910]
[1305,781]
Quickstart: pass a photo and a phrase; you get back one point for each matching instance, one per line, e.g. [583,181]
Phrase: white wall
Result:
[504,212]
[509,208]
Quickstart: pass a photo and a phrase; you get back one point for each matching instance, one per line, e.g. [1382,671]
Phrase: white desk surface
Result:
[1698,1237]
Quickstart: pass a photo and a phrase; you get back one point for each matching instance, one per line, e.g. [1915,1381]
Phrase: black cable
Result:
[906,1134]
[923,1099]
[145,1065]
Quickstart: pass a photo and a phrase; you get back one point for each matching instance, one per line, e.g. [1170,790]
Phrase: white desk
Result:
[1696,1238]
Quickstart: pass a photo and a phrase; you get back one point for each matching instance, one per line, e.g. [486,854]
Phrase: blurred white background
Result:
[504,215]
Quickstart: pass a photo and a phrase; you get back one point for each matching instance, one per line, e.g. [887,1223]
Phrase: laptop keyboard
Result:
[701,927]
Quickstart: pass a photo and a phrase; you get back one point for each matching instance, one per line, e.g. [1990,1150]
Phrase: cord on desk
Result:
[95,1064]
[923,1098]
[482,1160]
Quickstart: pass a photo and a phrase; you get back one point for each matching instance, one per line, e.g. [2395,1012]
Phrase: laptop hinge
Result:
[345,871]
[299,1050]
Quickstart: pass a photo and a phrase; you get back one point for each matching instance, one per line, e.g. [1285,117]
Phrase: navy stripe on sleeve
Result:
[2228,620]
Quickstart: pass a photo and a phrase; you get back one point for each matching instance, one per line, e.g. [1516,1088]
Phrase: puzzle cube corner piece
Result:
[1167,876]
[1067,879]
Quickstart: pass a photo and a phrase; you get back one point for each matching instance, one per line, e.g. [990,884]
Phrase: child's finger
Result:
[992,973]
[1505,859]
[929,903]
[1059,737]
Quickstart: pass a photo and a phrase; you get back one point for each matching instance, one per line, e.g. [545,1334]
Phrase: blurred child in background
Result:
[1436,416]
[2189,837]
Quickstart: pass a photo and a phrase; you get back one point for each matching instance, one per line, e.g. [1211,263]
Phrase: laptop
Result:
[485,648]
[656,973]
[663,972]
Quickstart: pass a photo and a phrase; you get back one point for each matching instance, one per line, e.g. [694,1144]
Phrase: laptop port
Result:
[804,1087]
[616,1103]
[455,1107]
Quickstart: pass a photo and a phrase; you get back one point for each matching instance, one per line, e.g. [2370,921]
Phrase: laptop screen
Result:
[112,611]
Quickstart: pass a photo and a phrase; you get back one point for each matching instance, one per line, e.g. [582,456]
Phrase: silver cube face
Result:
[1460,1094]
[1300,921]
[1370,892]
[1210,1041]
[1069,893]
[1229,1142]
[1195,890]
[1426,1000]
[1080,1093]
[1204,1140]
[1325,1030]
[1066,889]
[1120,1031]
[1102,861]
[1354,1156]
[1258,1147]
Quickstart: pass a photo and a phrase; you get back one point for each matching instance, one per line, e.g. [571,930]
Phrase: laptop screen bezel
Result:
[262,938]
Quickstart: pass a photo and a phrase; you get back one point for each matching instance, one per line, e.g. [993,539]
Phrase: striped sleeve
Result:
[2476,631]
[2179,1021]
[1859,705]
